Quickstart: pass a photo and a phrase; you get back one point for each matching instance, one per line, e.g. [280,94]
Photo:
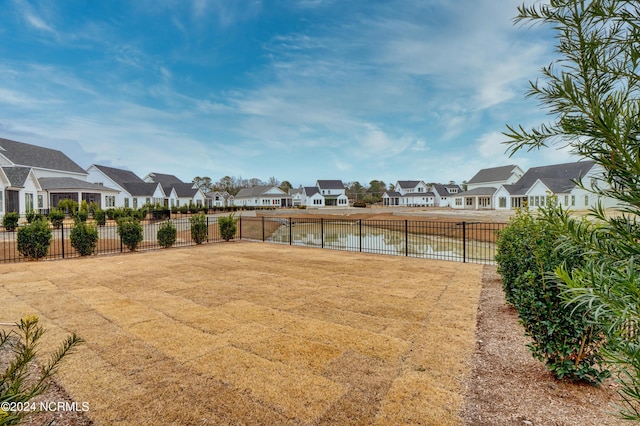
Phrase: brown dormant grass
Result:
[251,333]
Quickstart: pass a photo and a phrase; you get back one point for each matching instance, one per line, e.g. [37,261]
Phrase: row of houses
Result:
[508,187]
[35,178]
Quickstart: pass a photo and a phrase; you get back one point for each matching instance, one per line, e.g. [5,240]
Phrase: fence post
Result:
[62,232]
[406,237]
[262,228]
[290,232]
[207,229]
[240,220]
[322,232]
[464,242]
[360,233]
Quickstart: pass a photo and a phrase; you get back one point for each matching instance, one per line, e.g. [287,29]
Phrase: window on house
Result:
[28,202]
[469,201]
[317,202]
[126,202]
[586,200]
[1,201]
[148,200]
[110,200]
[41,201]
[502,202]
[573,200]
[566,200]
[458,201]
[135,203]
[199,203]
[453,190]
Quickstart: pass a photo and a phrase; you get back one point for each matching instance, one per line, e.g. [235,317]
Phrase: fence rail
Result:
[455,241]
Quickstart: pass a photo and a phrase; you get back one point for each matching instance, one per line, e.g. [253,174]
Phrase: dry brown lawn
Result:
[252,333]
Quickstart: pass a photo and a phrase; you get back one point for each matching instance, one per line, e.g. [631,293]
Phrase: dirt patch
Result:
[509,387]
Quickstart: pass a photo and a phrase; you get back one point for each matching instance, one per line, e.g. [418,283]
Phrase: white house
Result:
[409,193]
[482,188]
[177,192]
[261,196]
[444,194]
[37,178]
[333,192]
[538,184]
[219,199]
[133,191]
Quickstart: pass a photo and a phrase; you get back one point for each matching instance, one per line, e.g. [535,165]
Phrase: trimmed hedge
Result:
[34,239]
[564,337]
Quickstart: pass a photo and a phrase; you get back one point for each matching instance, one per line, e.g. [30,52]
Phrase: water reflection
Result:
[352,237]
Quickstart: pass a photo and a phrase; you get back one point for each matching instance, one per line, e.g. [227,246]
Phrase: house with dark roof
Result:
[133,191]
[480,189]
[561,181]
[178,193]
[36,178]
[219,199]
[444,194]
[262,196]
[536,187]
[409,193]
[333,193]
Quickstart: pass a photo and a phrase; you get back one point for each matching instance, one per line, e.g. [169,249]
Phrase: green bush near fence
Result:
[34,239]
[131,232]
[10,221]
[100,216]
[167,234]
[199,229]
[564,337]
[84,238]
[228,226]
[56,216]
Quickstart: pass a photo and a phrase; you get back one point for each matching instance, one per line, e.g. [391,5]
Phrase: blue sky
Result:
[300,90]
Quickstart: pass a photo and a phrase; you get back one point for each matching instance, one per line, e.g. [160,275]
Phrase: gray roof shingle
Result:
[330,184]
[494,174]
[120,176]
[17,175]
[71,183]
[558,177]
[27,155]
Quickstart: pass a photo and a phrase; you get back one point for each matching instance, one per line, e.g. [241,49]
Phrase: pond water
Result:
[368,239]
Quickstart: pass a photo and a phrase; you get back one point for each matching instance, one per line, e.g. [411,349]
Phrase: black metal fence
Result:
[455,241]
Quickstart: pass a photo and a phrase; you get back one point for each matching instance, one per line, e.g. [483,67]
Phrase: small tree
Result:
[34,239]
[17,383]
[167,234]
[199,229]
[228,226]
[131,232]
[100,217]
[84,238]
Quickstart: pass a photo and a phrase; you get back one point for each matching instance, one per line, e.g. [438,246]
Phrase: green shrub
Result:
[10,221]
[131,232]
[56,216]
[184,209]
[34,239]
[84,238]
[359,204]
[80,216]
[199,229]
[100,217]
[30,216]
[228,226]
[167,234]
[68,205]
[140,214]
[19,382]
[564,338]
